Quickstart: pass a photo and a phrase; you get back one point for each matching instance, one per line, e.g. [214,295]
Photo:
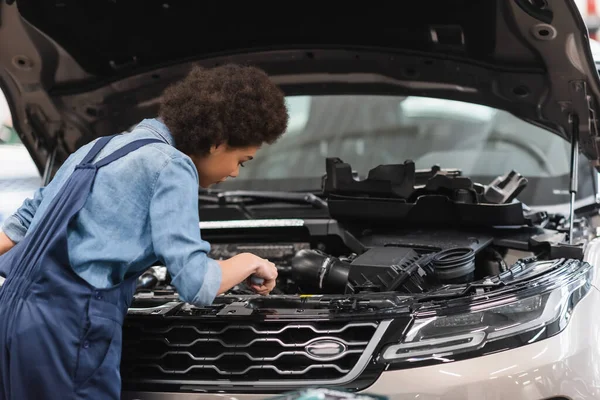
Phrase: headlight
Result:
[543,312]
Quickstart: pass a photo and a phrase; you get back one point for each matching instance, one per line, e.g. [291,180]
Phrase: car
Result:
[432,208]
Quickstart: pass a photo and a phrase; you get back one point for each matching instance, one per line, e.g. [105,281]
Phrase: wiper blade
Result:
[230,196]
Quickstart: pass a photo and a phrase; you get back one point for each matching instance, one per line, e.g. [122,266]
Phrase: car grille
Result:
[193,351]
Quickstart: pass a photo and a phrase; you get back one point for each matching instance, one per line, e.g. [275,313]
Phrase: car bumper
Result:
[564,366]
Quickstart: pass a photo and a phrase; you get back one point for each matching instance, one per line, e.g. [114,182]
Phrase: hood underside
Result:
[74,71]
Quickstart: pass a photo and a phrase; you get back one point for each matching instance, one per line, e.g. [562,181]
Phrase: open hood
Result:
[73,71]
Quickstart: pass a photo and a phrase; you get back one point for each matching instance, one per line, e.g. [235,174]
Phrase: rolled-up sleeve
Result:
[16,226]
[176,236]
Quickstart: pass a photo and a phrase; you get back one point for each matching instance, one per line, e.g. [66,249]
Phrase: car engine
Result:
[412,263]
[400,230]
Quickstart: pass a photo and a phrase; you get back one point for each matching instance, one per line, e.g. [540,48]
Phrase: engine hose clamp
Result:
[323,271]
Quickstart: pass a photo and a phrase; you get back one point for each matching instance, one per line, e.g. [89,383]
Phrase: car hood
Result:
[74,71]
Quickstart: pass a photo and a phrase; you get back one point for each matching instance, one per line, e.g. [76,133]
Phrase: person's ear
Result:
[217,148]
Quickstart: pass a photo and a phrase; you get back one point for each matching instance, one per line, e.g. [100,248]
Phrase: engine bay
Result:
[400,261]
[452,234]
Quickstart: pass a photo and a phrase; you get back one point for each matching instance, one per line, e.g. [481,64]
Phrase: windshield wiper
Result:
[241,196]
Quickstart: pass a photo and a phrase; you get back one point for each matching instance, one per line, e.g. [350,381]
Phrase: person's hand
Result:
[265,270]
[241,267]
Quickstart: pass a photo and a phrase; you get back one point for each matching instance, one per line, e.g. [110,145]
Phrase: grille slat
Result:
[222,355]
[245,371]
[146,329]
[254,341]
[164,350]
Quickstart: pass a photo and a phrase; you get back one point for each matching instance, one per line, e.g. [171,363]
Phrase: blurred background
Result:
[19,177]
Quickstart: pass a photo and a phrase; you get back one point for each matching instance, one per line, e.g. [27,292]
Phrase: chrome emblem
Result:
[326,349]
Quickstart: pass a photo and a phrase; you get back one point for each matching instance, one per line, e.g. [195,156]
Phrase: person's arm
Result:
[15,227]
[5,243]
[175,225]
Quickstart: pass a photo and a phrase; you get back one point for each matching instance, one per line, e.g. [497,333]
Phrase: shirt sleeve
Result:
[16,226]
[176,236]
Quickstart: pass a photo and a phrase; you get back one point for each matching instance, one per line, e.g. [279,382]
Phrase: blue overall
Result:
[60,338]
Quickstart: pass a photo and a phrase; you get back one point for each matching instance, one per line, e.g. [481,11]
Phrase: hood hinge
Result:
[50,134]
[49,165]
[52,148]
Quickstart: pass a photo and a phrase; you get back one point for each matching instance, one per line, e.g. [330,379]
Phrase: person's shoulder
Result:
[154,129]
[161,155]
[158,152]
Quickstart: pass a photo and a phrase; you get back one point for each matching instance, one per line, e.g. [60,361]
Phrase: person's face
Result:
[221,163]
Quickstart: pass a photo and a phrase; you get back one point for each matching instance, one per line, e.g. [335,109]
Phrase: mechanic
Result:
[116,207]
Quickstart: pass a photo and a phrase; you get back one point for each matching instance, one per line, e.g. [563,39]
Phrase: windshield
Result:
[366,131]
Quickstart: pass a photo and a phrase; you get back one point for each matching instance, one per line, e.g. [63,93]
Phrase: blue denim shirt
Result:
[143,209]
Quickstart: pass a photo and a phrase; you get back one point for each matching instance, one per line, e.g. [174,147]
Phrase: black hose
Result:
[455,265]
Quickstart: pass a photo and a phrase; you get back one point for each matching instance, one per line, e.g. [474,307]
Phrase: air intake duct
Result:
[456,265]
[317,272]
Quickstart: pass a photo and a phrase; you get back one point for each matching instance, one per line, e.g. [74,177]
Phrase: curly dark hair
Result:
[229,104]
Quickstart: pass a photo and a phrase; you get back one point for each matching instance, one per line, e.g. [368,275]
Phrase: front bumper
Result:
[566,365]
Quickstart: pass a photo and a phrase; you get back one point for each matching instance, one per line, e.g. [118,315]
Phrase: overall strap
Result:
[103,141]
[98,146]
[123,151]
